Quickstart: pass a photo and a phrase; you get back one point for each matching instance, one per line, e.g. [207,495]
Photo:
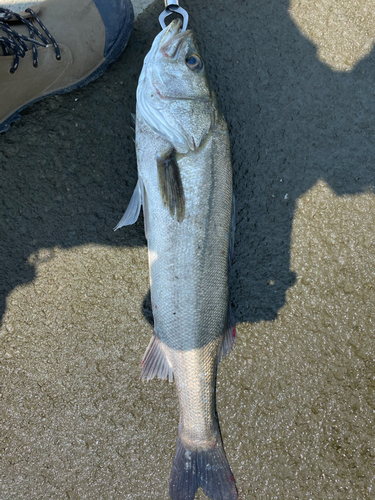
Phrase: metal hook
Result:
[172,6]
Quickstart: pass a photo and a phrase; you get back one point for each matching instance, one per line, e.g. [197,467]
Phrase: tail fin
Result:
[208,469]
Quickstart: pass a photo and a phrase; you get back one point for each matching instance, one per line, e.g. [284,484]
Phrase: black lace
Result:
[15,43]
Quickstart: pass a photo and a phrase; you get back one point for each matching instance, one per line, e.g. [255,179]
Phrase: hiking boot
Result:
[57,46]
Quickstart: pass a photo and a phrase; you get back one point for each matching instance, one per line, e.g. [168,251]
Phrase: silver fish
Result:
[185,188]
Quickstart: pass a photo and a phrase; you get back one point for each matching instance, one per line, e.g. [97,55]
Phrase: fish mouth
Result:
[171,30]
[173,38]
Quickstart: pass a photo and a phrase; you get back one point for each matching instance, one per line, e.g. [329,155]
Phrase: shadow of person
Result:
[292,120]
[69,169]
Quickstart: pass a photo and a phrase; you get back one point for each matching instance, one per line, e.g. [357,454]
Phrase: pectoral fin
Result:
[170,185]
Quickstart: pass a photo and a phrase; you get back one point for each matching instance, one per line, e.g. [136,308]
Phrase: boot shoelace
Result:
[15,43]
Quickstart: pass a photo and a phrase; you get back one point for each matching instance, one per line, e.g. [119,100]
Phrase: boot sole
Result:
[112,55]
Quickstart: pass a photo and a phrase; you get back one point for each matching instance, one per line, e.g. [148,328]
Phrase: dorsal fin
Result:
[229,339]
[170,185]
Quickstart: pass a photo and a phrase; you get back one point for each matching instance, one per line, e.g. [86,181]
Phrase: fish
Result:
[185,190]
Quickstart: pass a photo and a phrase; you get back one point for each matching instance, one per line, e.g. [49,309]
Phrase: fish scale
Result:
[200,261]
[185,187]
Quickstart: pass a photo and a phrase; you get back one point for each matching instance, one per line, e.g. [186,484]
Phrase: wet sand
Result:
[296,398]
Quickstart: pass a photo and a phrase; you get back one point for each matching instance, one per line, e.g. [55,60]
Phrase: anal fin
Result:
[154,362]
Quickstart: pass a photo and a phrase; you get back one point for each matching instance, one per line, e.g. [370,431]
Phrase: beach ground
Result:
[295,80]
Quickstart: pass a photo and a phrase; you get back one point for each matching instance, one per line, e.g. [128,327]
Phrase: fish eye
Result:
[194,63]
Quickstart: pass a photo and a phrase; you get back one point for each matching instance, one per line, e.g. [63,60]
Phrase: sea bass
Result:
[185,188]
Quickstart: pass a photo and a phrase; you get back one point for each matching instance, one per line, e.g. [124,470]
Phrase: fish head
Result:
[179,71]
[174,96]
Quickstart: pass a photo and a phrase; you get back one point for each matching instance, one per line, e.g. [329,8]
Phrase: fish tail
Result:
[207,469]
